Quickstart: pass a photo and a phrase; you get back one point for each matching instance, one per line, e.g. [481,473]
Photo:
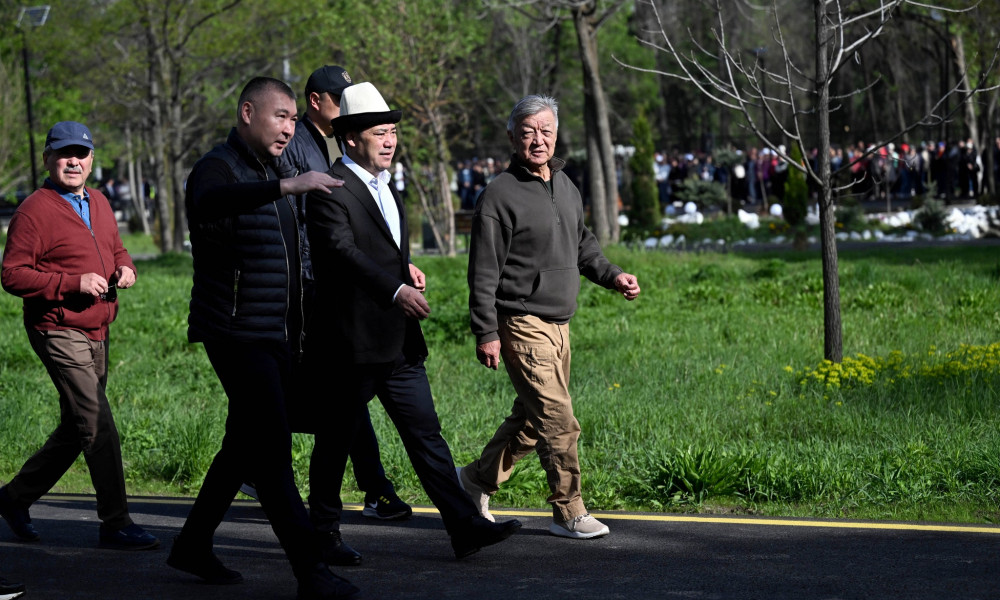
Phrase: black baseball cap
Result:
[329,78]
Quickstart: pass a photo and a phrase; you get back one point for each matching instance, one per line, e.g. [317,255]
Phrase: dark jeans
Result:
[404,391]
[257,447]
[78,367]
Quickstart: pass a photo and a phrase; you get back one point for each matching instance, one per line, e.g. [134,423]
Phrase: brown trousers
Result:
[537,357]
[78,366]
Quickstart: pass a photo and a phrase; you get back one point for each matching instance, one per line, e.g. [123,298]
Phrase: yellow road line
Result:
[662,518]
[711,520]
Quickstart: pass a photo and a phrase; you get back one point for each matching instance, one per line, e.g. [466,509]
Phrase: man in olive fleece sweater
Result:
[529,247]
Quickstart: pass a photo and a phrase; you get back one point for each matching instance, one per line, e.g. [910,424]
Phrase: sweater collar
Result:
[519,168]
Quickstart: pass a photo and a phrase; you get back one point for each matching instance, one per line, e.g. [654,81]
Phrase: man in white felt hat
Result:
[367,332]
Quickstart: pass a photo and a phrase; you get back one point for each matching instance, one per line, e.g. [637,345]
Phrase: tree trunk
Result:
[833,345]
[447,208]
[415,181]
[595,183]
[156,104]
[176,178]
[870,98]
[971,120]
[600,154]
[138,200]
[963,71]
[990,148]
[446,213]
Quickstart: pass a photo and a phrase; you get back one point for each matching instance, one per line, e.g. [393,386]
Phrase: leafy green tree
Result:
[425,59]
[645,201]
[160,89]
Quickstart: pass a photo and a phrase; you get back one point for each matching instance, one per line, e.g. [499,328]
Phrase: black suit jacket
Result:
[358,269]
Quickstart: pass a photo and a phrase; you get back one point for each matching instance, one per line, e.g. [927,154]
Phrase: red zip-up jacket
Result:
[49,248]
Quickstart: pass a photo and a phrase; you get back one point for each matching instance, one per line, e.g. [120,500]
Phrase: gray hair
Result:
[530,106]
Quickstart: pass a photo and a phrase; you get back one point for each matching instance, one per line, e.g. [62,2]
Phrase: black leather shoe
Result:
[131,537]
[479,533]
[319,583]
[17,518]
[201,562]
[336,552]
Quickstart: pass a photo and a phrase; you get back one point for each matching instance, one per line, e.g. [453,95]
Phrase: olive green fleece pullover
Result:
[529,247]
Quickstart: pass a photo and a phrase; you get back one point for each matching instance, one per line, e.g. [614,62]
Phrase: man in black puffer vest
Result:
[246,308]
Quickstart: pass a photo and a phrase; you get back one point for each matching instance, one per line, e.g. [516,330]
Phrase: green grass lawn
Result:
[709,393]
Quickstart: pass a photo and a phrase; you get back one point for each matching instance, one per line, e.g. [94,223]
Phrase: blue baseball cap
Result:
[69,133]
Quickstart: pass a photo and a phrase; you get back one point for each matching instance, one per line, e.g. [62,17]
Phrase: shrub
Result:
[702,193]
[796,192]
[645,197]
[931,217]
[851,217]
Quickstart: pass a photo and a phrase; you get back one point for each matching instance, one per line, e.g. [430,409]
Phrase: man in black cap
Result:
[64,256]
[366,329]
[319,149]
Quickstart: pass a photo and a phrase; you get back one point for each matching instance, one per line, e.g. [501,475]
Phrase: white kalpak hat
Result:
[361,107]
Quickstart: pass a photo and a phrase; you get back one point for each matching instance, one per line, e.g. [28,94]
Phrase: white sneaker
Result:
[479,496]
[583,527]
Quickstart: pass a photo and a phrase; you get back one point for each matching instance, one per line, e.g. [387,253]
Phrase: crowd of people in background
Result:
[952,172]
[472,175]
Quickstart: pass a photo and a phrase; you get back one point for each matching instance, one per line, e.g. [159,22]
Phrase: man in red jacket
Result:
[64,257]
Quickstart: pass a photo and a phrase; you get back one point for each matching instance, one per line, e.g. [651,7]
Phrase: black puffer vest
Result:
[242,262]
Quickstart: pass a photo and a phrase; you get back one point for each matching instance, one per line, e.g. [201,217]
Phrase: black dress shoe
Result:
[201,562]
[17,518]
[336,552]
[319,583]
[131,537]
[478,533]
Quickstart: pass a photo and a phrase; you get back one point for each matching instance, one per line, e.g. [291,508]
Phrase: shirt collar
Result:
[382,177]
[65,193]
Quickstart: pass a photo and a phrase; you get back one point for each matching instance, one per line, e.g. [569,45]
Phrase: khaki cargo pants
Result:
[536,355]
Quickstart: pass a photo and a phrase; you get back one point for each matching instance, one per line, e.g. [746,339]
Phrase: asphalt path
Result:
[646,556]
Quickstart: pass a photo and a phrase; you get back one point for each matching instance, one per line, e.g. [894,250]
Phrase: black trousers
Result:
[367,460]
[404,391]
[257,447]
